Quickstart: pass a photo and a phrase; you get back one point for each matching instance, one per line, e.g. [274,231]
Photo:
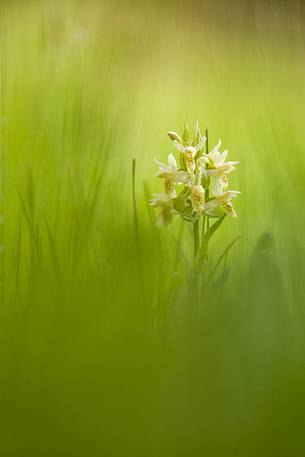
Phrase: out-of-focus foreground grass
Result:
[104,350]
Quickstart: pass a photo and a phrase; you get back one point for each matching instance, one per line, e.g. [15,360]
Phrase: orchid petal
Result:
[179,146]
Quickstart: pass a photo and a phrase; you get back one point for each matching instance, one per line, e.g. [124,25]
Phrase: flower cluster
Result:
[202,174]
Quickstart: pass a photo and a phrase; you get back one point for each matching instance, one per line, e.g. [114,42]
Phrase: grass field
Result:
[105,349]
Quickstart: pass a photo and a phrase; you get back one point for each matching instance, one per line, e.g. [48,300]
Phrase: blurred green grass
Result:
[104,349]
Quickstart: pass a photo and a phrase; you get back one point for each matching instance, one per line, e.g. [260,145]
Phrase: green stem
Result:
[203,226]
[135,214]
[3,136]
[196,238]
[207,141]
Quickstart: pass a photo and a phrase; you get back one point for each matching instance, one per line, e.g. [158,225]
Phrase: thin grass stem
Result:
[135,214]
[196,238]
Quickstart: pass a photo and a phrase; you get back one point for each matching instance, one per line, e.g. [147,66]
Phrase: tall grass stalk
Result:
[134,201]
[3,126]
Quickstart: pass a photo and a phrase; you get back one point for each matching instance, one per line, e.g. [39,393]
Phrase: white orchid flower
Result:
[217,162]
[169,187]
[223,201]
[189,153]
[198,198]
[218,185]
[201,165]
[164,202]
[171,171]
[202,162]
[161,200]
[172,175]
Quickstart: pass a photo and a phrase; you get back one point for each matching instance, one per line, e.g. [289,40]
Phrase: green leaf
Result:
[225,252]
[188,211]
[179,203]
[214,227]
[207,236]
[181,161]
[197,136]
[216,212]
[205,182]
[54,253]
[186,135]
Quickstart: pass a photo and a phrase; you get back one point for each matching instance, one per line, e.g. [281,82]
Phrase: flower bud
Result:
[175,136]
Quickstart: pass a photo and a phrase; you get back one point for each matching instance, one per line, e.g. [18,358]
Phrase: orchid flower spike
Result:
[196,184]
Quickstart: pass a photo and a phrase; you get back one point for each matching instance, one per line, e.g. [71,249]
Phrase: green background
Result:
[104,348]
